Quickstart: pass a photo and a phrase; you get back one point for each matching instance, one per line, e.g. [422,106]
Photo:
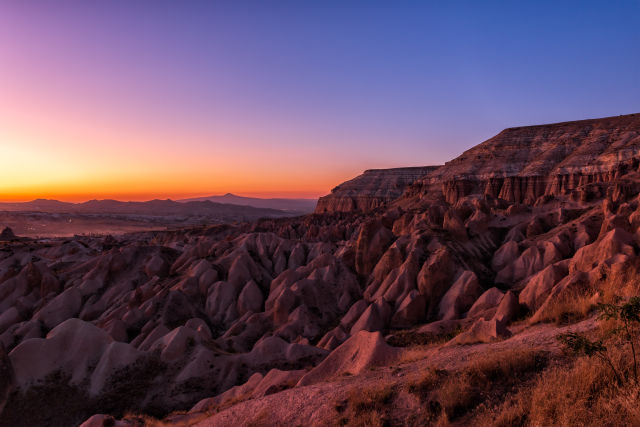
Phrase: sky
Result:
[137,99]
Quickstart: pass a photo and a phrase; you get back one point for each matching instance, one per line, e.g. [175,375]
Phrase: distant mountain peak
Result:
[299,206]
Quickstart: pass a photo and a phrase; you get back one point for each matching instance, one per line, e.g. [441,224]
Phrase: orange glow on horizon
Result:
[73,133]
[76,163]
[77,197]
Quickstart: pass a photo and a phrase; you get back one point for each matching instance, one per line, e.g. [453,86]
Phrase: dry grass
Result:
[262,418]
[413,355]
[512,413]
[426,382]
[368,407]
[412,338]
[174,419]
[622,282]
[487,378]
[141,420]
[568,307]
[483,382]
[582,393]
[585,394]
[497,365]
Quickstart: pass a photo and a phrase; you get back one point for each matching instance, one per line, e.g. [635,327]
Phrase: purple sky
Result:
[139,99]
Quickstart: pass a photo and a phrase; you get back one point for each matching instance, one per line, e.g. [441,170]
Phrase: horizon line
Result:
[176,198]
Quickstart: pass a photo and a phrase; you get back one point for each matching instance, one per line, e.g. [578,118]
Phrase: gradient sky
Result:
[143,99]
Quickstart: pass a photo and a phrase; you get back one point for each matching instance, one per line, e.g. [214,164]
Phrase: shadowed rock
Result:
[7,235]
[7,378]
[482,331]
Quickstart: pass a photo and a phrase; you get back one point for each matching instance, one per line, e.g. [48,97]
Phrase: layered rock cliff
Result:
[372,189]
[523,164]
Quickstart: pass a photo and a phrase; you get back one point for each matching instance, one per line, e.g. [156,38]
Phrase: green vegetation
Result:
[628,317]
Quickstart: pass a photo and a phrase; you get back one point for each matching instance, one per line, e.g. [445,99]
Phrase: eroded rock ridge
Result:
[373,189]
[192,319]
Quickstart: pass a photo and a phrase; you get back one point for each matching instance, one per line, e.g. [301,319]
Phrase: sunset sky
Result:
[153,99]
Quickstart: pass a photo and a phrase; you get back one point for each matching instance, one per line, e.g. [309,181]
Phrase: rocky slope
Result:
[199,319]
[373,189]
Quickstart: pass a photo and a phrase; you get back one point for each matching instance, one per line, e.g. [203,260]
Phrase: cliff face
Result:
[525,163]
[519,165]
[372,189]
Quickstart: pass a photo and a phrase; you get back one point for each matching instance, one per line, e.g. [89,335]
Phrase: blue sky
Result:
[317,91]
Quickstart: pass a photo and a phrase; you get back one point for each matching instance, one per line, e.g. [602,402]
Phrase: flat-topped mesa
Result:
[524,163]
[372,189]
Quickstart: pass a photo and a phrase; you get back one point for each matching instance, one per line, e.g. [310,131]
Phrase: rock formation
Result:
[161,321]
[363,350]
[523,164]
[373,189]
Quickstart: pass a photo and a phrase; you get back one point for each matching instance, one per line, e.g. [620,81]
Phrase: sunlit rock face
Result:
[523,164]
[159,321]
[373,189]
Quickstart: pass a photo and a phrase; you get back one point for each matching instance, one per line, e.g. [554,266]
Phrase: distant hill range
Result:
[301,206]
[157,208]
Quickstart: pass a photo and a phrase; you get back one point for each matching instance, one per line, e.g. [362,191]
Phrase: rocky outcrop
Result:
[460,297]
[373,189]
[482,331]
[363,350]
[523,164]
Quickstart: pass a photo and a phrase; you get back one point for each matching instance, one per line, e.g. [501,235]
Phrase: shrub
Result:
[628,314]
[580,344]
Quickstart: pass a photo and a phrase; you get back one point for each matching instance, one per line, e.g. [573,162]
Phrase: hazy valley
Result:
[51,218]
